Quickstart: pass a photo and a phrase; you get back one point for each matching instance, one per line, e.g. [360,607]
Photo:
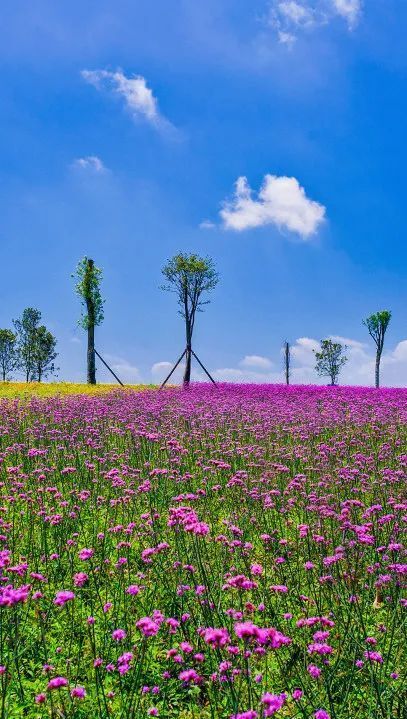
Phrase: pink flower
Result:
[40,698]
[272,703]
[297,694]
[57,683]
[133,589]
[118,635]
[314,671]
[147,626]
[80,579]
[321,714]
[280,588]
[63,597]
[85,554]
[78,692]
[373,657]
[216,637]
[189,675]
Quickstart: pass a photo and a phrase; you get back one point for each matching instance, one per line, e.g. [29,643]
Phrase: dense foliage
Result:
[207,554]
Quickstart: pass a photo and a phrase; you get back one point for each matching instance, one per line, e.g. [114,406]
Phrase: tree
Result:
[190,277]
[26,328]
[8,353]
[377,325]
[88,278]
[287,361]
[44,353]
[330,360]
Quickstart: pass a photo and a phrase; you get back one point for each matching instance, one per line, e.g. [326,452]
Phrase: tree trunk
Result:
[91,354]
[287,363]
[187,371]
[188,353]
[377,369]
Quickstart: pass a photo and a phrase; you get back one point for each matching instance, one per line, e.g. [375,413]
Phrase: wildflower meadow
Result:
[213,553]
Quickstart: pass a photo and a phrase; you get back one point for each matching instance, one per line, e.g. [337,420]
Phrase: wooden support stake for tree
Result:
[204,368]
[109,368]
[173,369]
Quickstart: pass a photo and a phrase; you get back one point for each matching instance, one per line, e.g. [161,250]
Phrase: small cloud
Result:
[303,350]
[286,38]
[256,361]
[138,97]
[296,12]
[91,162]
[207,225]
[75,340]
[128,373]
[289,18]
[350,10]
[354,344]
[281,201]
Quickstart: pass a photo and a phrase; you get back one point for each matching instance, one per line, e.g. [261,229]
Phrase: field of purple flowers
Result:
[204,554]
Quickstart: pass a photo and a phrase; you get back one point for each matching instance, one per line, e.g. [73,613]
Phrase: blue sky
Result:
[124,128]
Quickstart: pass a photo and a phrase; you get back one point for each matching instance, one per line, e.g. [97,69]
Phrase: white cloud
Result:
[350,10]
[281,201]
[303,351]
[290,17]
[138,97]
[296,12]
[90,162]
[399,354]
[256,361]
[234,374]
[128,373]
[355,344]
[207,225]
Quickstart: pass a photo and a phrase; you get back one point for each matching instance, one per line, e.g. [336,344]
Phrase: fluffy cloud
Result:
[296,12]
[138,97]
[350,10]
[256,361]
[91,162]
[160,370]
[281,201]
[128,373]
[289,17]
[359,369]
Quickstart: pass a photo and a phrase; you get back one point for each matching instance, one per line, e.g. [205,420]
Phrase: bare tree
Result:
[190,277]
[377,325]
[8,353]
[330,360]
[287,361]
[88,278]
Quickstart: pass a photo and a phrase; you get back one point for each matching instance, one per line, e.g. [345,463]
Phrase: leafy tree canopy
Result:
[88,278]
[330,359]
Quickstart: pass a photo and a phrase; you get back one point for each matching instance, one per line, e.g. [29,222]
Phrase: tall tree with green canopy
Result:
[330,360]
[44,353]
[88,278]
[377,325]
[8,353]
[26,328]
[35,348]
[190,277]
